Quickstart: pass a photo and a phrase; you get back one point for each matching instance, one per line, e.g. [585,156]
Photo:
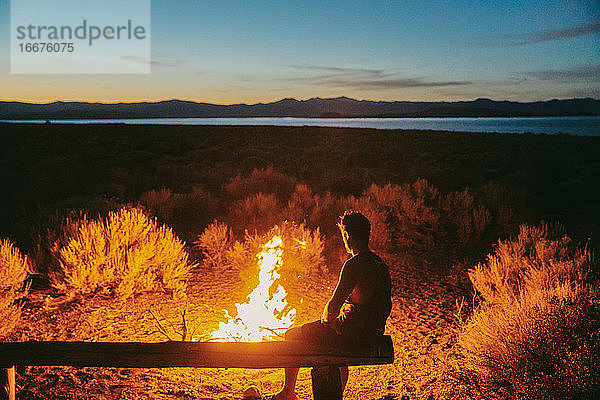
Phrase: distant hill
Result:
[315,107]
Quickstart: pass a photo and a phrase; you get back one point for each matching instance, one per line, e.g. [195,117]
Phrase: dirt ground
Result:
[423,326]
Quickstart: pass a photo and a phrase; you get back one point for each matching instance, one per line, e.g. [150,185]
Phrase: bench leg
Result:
[7,384]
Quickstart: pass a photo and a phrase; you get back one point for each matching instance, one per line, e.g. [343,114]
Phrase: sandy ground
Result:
[422,324]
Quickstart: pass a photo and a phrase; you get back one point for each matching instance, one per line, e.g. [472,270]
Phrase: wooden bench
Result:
[185,354]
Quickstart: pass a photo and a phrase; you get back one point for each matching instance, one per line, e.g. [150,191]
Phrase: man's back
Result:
[369,304]
[373,283]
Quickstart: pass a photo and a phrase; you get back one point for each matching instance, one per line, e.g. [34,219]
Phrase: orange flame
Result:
[261,316]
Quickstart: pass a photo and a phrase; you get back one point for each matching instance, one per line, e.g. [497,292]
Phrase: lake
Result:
[586,126]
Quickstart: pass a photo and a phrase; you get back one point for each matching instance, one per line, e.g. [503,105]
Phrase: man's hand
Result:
[346,283]
[328,320]
[324,318]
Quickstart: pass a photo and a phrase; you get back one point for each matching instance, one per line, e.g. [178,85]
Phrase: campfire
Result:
[265,315]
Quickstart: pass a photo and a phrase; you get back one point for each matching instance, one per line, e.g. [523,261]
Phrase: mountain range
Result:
[315,107]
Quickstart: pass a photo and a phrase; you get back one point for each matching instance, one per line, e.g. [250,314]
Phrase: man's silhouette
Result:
[354,316]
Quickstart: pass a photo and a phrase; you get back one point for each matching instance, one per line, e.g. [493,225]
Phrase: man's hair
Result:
[356,225]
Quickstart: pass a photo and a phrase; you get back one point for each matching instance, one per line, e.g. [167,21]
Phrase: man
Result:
[356,313]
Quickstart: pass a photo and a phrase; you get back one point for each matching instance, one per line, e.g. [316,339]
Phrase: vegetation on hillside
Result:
[100,168]
[117,216]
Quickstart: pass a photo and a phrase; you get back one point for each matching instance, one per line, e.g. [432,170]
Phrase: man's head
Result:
[355,229]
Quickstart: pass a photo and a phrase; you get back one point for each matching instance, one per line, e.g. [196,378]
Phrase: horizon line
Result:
[290,98]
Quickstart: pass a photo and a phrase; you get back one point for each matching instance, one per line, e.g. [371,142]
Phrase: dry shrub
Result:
[124,254]
[241,256]
[415,215]
[184,212]
[385,196]
[55,231]
[302,201]
[415,218]
[532,254]
[302,254]
[159,202]
[535,333]
[411,212]
[411,218]
[257,213]
[303,250]
[469,220]
[380,239]
[214,243]
[14,269]
[266,181]
[326,212]
[506,205]
[45,255]
[315,210]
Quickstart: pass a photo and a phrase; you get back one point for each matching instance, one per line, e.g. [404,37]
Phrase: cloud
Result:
[153,63]
[391,83]
[343,70]
[539,37]
[332,77]
[586,73]
[364,79]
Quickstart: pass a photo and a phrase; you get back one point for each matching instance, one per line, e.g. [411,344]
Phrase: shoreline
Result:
[577,126]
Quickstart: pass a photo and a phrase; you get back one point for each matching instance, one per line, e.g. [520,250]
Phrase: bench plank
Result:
[189,354]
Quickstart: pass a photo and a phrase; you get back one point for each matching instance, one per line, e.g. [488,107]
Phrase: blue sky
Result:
[260,51]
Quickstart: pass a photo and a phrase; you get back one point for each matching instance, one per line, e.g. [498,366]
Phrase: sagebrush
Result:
[302,256]
[535,332]
[265,180]
[214,243]
[184,212]
[14,269]
[124,254]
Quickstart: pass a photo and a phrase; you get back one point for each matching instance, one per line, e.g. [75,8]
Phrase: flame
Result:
[261,317]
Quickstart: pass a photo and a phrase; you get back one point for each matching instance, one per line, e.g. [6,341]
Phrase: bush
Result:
[370,207]
[45,256]
[416,219]
[414,214]
[214,242]
[184,212]
[14,269]
[301,203]
[506,204]
[303,250]
[257,213]
[266,181]
[159,202]
[302,259]
[410,218]
[469,220]
[535,333]
[124,254]
[406,216]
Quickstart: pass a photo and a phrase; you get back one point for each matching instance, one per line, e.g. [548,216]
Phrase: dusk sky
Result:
[262,51]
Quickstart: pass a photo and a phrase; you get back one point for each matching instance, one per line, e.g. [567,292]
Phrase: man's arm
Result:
[346,283]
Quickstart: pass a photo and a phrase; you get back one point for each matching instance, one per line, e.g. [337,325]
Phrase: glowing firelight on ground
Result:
[261,317]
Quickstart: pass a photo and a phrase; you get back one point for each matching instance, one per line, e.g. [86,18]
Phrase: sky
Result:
[228,52]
